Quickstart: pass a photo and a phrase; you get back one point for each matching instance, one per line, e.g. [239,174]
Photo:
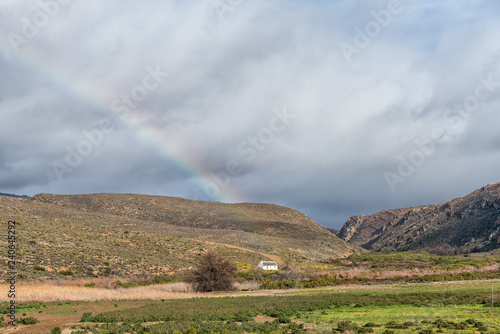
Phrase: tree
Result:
[213,273]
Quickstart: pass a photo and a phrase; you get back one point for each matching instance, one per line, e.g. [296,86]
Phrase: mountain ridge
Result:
[14,195]
[464,224]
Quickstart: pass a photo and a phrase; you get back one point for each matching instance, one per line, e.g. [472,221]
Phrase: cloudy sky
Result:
[333,108]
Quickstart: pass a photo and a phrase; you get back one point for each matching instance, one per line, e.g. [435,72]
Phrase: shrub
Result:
[190,330]
[28,321]
[66,272]
[280,284]
[38,268]
[371,324]
[129,284]
[213,273]
[56,330]
[283,319]
[322,280]
[395,325]
[343,326]
[86,317]
[425,331]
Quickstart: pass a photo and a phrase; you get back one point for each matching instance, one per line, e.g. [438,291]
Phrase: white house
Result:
[268,265]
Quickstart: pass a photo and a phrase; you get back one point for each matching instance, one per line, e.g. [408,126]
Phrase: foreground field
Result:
[458,307]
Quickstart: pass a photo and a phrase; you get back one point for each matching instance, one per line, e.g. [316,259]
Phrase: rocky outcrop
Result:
[470,223]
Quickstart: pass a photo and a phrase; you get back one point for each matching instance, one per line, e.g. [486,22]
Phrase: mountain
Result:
[462,225]
[12,195]
[127,235]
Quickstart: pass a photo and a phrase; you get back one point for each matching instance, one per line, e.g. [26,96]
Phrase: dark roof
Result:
[269,263]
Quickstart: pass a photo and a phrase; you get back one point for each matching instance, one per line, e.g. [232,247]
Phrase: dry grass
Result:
[51,293]
[246,286]
[414,272]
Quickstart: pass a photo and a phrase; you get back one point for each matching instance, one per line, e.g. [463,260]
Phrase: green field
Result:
[459,307]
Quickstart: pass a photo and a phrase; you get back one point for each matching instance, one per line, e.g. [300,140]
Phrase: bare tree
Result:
[213,273]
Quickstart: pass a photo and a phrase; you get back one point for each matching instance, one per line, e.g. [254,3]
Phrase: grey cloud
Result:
[226,76]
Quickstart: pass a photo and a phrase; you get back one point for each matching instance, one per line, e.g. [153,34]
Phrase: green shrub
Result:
[343,326]
[371,324]
[283,319]
[322,280]
[129,284]
[190,330]
[86,317]
[425,331]
[395,325]
[281,284]
[66,272]
[28,321]
[56,330]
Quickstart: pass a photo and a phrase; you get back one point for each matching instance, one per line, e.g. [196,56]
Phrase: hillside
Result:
[125,235]
[462,225]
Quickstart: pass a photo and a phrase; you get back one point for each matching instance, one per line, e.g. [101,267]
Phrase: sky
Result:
[333,108]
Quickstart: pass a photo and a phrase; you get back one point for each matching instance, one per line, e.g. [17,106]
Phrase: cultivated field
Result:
[444,307]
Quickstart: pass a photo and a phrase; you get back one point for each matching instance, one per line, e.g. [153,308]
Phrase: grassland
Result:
[458,307]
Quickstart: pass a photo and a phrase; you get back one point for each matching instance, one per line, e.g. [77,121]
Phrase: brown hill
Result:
[462,225]
[126,235]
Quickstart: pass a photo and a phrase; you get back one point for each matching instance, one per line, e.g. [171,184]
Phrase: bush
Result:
[343,326]
[86,317]
[129,284]
[56,330]
[322,280]
[371,324]
[66,272]
[395,325]
[280,284]
[28,321]
[213,273]
[425,331]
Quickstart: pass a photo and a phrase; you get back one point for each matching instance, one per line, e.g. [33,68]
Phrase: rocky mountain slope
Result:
[463,225]
[125,235]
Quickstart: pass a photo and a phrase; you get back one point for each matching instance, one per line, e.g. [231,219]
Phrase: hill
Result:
[12,195]
[126,235]
[462,225]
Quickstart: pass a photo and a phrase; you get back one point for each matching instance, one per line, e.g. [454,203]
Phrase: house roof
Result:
[269,263]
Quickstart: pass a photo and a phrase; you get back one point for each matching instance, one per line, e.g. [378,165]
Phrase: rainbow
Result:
[99,98]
